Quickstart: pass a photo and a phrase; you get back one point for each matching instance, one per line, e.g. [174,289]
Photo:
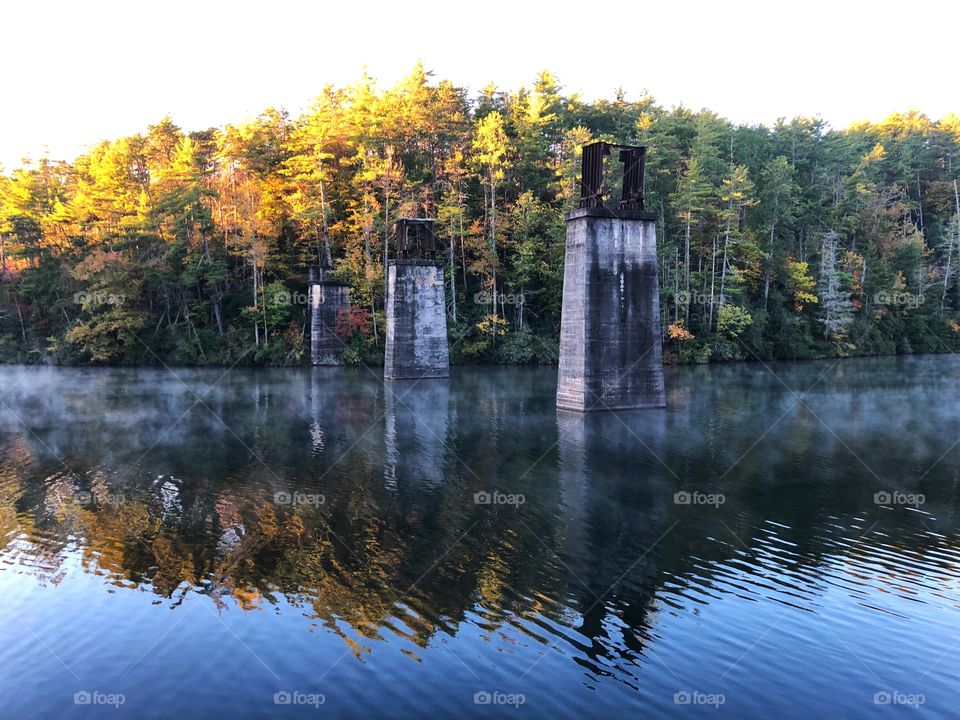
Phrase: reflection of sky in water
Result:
[181,583]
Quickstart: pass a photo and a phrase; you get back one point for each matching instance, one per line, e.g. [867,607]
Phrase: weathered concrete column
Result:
[327,298]
[610,352]
[416,345]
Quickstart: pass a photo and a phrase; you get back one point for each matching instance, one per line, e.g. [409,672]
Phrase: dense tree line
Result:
[791,241]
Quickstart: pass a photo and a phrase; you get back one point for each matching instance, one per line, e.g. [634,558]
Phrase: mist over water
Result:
[781,541]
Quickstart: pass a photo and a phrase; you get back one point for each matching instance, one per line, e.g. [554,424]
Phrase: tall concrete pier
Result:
[327,298]
[610,339]
[416,344]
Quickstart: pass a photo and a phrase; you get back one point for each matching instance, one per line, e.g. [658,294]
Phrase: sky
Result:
[79,71]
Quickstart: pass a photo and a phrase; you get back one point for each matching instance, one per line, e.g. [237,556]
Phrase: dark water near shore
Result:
[782,541]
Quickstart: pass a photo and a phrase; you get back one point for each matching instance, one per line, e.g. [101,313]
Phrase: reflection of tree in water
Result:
[400,547]
[352,559]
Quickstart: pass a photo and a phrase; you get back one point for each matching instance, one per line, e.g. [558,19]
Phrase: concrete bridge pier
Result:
[416,343]
[327,298]
[610,338]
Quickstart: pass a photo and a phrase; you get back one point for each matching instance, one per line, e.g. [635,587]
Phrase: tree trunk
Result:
[723,266]
[323,217]
[493,238]
[368,256]
[773,231]
[946,274]
[453,282]
[686,270]
[266,332]
[713,279]
[919,200]
[217,314]
[256,303]
[676,286]
[463,254]
[386,236]
[23,329]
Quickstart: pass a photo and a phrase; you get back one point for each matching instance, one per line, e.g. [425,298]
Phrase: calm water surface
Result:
[782,541]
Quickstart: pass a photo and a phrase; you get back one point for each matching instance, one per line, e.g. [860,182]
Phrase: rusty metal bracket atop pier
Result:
[416,239]
[592,190]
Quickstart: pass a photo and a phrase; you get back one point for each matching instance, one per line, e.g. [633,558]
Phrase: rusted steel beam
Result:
[633,159]
[592,190]
[591,177]
[416,238]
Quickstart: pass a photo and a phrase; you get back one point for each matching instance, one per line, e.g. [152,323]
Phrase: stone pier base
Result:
[327,298]
[416,344]
[610,351]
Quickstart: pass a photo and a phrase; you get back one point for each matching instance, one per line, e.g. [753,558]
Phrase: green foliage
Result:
[791,241]
[732,321]
[525,348]
[800,284]
[695,352]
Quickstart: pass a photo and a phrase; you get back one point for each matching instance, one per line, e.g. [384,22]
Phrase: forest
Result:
[794,241]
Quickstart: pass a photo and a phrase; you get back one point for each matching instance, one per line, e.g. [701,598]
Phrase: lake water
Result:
[781,541]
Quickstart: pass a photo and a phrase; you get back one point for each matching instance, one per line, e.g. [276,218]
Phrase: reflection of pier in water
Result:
[343,407]
[416,426]
[613,518]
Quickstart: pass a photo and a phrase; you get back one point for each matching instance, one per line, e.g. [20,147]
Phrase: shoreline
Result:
[379,367]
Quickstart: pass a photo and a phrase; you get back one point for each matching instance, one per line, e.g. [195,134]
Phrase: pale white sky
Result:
[77,71]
